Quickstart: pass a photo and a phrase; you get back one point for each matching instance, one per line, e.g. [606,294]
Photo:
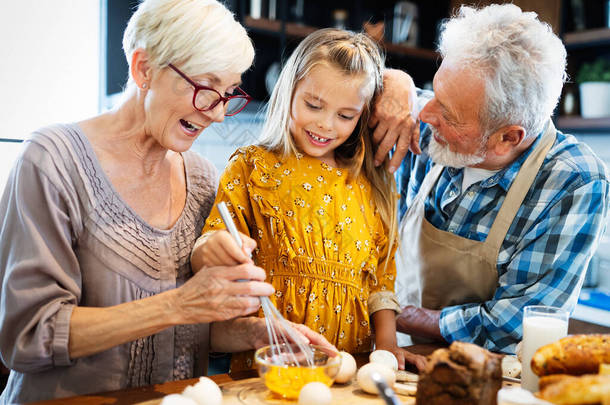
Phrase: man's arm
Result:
[547,268]
[420,322]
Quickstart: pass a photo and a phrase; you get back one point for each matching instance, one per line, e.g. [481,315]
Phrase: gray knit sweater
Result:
[67,238]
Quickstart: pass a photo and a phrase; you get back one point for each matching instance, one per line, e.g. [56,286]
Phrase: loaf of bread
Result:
[575,355]
[571,390]
[463,374]
[547,380]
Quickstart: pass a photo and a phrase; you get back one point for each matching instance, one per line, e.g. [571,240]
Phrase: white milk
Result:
[538,331]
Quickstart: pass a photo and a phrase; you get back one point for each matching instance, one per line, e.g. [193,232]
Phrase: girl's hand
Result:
[218,293]
[217,248]
[404,356]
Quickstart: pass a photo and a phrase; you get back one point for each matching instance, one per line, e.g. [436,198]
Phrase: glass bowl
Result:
[285,377]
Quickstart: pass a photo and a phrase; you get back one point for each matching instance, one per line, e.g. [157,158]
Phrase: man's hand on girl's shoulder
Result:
[395,119]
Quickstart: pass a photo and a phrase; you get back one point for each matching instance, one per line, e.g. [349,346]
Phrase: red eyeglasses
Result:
[206,98]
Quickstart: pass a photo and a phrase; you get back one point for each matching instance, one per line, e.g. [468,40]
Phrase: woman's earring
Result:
[144,85]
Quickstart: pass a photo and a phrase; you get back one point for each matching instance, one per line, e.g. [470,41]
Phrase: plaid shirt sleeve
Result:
[545,268]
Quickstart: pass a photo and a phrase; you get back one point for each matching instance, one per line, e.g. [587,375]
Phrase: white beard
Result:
[441,154]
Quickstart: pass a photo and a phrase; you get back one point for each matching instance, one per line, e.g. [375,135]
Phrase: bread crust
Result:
[547,380]
[575,355]
[570,390]
[463,374]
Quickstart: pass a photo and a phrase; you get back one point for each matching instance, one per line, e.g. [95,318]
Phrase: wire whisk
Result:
[282,336]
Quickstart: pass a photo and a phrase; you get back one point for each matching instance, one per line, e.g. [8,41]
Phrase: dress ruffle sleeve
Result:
[249,187]
[233,190]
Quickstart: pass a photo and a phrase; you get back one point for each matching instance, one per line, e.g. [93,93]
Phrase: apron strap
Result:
[519,189]
[428,183]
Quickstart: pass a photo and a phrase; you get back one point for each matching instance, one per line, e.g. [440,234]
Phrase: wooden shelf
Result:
[587,38]
[411,51]
[274,27]
[577,123]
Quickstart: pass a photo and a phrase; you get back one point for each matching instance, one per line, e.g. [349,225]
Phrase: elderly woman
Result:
[99,219]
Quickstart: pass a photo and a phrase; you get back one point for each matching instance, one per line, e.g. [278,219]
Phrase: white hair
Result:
[520,58]
[201,36]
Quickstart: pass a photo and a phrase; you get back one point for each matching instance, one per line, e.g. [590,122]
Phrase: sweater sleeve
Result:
[41,278]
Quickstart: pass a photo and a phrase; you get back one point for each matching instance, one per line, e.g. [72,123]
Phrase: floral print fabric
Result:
[320,240]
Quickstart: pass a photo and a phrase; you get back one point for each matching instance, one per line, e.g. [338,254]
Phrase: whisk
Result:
[279,330]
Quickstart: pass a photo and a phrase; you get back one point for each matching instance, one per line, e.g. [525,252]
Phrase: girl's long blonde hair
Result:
[353,54]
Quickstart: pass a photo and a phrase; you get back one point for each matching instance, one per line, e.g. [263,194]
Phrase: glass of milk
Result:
[541,325]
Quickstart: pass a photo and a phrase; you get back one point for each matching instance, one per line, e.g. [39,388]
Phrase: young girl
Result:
[322,215]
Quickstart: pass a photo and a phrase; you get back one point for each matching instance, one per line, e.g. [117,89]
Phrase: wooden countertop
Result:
[135,395]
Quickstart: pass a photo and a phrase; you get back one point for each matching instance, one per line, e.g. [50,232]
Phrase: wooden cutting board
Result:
[253,392]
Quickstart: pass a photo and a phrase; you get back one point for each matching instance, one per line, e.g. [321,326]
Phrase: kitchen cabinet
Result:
[275,39]
[587,37]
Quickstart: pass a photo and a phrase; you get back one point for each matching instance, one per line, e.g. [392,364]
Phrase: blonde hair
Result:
[201,36]
[353,54]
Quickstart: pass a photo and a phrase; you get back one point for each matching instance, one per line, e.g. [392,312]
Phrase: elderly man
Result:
[500,210]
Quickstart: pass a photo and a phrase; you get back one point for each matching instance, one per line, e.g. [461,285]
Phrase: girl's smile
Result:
[318,140]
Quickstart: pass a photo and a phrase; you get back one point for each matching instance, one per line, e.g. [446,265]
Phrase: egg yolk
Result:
[288,381]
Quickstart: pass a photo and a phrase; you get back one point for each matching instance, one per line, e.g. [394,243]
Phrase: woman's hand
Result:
[303,333]
[217,248]
[213,294]
[314,338]
[217,294]
[395,118]
[249,333]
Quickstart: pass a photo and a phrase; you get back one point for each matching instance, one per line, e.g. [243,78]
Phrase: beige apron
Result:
[436,268]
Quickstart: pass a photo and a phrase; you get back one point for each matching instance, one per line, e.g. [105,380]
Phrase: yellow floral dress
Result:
[320,239]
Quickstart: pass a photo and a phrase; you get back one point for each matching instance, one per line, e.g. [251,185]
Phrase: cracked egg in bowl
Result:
[285,369]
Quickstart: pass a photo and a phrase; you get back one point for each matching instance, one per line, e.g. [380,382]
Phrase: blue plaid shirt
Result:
[547,248]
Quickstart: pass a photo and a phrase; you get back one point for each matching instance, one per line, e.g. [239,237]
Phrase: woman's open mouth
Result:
[317,140]
[190,128]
